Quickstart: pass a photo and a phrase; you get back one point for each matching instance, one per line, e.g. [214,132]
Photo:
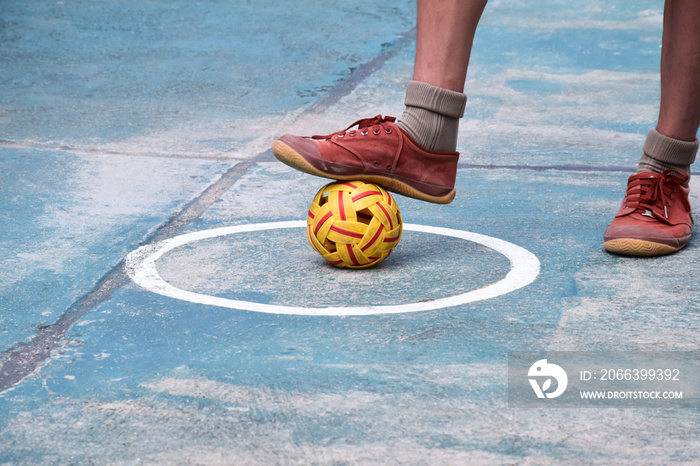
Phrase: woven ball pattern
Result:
[353,224]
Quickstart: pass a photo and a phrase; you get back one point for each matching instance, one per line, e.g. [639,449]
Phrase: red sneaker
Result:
[655,217]
[378,152]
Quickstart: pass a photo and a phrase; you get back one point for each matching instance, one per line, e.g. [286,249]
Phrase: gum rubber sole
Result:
[289,156]
[638,247]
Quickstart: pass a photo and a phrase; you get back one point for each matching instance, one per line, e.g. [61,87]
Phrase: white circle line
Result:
[141,267]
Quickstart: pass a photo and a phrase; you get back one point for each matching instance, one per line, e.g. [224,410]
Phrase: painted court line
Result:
[141,267]
[560,168]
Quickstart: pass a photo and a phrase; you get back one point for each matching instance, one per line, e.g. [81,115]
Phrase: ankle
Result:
[662,153]
[432,116]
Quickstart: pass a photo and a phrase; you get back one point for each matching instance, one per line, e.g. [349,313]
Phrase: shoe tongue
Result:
[647,178]
[668,175]
[680,177]
[365,122]
[647,175]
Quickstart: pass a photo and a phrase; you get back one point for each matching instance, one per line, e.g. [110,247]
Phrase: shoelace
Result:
[653,194]
[375,124]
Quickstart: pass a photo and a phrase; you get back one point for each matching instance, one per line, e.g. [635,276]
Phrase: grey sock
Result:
[662,152]
[432,116]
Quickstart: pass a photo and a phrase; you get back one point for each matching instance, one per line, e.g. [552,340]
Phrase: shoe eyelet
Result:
[376,131]
[376,164]
[388,167]
[352,134]
[364,133]
[340,136]
[387,131]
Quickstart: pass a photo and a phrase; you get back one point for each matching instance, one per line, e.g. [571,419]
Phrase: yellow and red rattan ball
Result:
[353,224]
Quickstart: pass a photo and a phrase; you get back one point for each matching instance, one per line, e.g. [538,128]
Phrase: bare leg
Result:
[445,34]
[434,99]
[679,116]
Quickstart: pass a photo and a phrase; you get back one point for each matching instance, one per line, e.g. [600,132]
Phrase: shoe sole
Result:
[289,156]
[639,248]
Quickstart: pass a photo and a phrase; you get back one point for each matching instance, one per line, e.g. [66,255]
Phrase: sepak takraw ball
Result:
[353,224]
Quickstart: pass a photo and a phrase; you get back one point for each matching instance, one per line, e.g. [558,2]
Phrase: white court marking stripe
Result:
[141,267]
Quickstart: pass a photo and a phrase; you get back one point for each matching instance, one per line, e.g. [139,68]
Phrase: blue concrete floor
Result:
[125,123]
